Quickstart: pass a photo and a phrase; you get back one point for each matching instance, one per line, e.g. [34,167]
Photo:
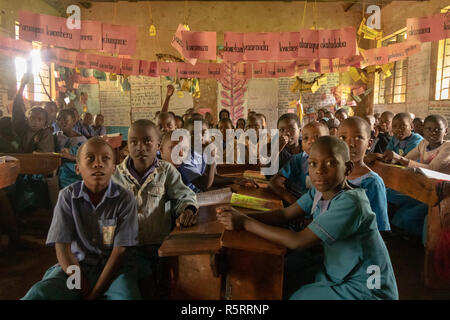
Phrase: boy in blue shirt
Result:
[94,224]
[290,182]
[343,223]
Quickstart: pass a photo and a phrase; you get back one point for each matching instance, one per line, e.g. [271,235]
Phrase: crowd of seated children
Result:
[342,221]
[291,181]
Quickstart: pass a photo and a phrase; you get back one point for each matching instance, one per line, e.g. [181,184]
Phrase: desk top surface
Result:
[8,173]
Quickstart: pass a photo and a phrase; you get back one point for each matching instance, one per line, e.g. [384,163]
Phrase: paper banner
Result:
[93,60]
[271,70]
[148,68]
[376,56]
[109,64]
[130,67]
[285,69]
[213,70]
[260,45]
[47,29]
[354,74]
[244,70]
[337,43]
[167,69]
[61,57]
[186,70]
[119,39]
[338,65]
[233,48]
[309,43]
[288,45]
[325,66]
[199,45]
[12,48]
[91,35]
[259,70]
[82,61]
[396,52]
[412,47]
[177,42]
[425,29]
[353,60]
[303,64]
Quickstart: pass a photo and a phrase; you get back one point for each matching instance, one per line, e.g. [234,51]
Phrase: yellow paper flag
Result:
[315,87]
[152,31]
[354,74]
[387,73]
[323,80]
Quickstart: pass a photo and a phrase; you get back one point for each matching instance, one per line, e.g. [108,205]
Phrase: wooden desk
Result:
[207,262]
[8,173]
[36,163]
[423,189]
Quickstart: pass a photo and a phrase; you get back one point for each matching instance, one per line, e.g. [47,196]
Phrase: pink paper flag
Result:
[396,52]
[82,61]
[308,44]
[288,45]
[303,64]
[214,70]
[48,29]
[325,66]
[425,29]
[119,39]
[412,47]
[177,43]
[353,60]
[148,68]
[130,67]
[271,69]
[243,70]
[259,70]
[260,45]
[377,56]
[94,61]
[233,49]
[186,70]
[91,35]
[336,43]
[200,45]
[14,48]
[285,69]
[167,69]
[109,64]
[65,58]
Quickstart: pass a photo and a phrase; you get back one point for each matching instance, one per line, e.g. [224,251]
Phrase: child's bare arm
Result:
[277,185]
[18,111]
[170,90]
[109,272]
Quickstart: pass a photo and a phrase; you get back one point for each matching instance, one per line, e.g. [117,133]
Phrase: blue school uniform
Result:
[99,131]
[402,147]
[67,174]
[192,168]
[375,189]
[92,231]
[296,171]
[87,131]
[352,247]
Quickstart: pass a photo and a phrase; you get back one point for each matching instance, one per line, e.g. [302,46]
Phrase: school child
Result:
[433,152]
[370,119]
[52,110]
[224,125]
[67,143]
[86,129]
[78,126]
[169,93]
[292,180]
[328,114]
[342,221]
[333,125]
[240,124]
[384,132]
[166,122]
[94,224]
[209,119]
[195,171]
[154,183]
[341,114]
[263,120]
[34,135]
[290,139]
[8,138]
[418,125]
[224,113]
[320,113]
[99,129]
[179,122]
[355,132]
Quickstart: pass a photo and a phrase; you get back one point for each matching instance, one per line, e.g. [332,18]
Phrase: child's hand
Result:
[170,90]
[27,77]
[390,156]
[231,218]
[187,218]
[372,157]
[283,142]
[246,183]
[85,289]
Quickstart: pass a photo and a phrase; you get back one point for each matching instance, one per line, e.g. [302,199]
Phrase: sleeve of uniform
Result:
[290,169]
[414,154]
[62,228]
[47,142]
[126,234]
[306,201]
[341,220]
[177,191]
[390,145]
[414,142]
[376,193]
[190,171]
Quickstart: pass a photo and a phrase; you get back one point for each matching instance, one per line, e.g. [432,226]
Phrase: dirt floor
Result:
[19,271]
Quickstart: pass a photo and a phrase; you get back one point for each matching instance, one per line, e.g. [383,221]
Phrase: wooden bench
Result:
[423,189]
[8,173]
[36,163]
[207,262]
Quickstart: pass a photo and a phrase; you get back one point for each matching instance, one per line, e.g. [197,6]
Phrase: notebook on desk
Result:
[433,174]
[209,198]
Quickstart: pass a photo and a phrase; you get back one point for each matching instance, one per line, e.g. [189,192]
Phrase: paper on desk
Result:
[220,196]
[244,201]
[7,158]
[433,174]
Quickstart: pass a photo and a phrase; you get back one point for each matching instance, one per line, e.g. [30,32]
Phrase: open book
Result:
[433,174]
[240,200]
[219,196]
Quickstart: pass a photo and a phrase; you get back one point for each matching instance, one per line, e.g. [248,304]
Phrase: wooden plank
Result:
[36,163]
[244,240]
[236,168]
[8,173]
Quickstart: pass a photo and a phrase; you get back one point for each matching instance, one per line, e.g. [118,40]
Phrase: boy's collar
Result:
[111,191]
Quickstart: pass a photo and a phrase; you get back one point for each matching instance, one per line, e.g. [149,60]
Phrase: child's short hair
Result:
[342,110]
[337,146]
[64,112]
[403,116]
[226,111]
[333,123]
[181,119]
[191,122]
[38,109]
[144,123]
[165,115]
[358,121]
[261,115]
[436,118]
[95,140]
[167,136]
[388,113]
[317,124]
[289,117]
[226,120]
[240,119]
[196,116]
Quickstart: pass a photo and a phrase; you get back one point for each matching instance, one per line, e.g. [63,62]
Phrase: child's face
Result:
[341,116]
[143,142]
[65,121]
[289,128]
[320,114]
[166,151]
[356,138]
[434,131]
[371,121]
[166,124]
[385,123]
[333,131]
[310,135]
[401,128]
[223,127]
[240,125]
[326,169]
[223,115]
[87,119]
[206,138]
[178,123]
[254,123]
[96,165]
[37,120]
[418,126]
[99,120]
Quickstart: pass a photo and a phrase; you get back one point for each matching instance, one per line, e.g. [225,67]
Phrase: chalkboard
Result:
[114,103]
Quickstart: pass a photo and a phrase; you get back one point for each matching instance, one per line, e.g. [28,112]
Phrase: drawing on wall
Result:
[232,92]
